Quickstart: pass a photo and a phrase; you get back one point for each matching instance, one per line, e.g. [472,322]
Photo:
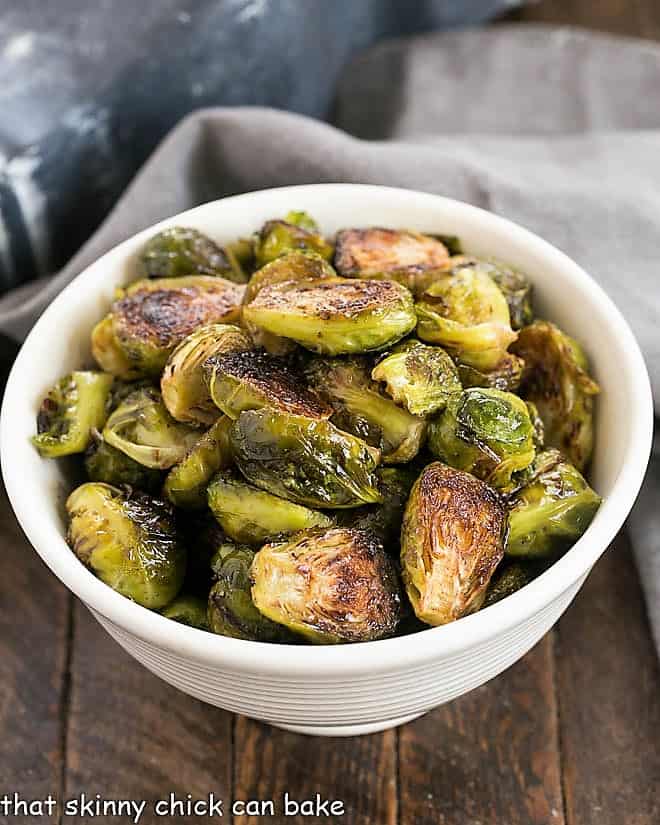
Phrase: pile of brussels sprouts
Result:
[294,440]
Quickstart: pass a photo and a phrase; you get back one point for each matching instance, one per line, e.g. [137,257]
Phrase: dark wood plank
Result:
[34,618]
[361,772]
[616,16]
[491,756]
[131,736]
[609,699]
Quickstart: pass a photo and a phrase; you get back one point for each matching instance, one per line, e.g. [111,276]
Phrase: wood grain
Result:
[361,772]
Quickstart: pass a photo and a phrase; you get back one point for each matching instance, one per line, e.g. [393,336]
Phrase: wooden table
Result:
[568,736]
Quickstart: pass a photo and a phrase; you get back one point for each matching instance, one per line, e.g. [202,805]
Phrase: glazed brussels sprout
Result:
[360,408]
[180,251]
[186,483]
[507,580]
[555,378]
[231,611]
[299,265]
[516,288]
[183,383]
[189,610]
[151,317]
[419,377]
[278,237]
[129,541]
[466,312]
[384,520]
[487,432]
[452,540]
[410,258]
[452,243]
[505,376]
[111,466]
[252,516]
[305,460]
[551,513]
[250,380]
[335,316]
[142,428]
[75,407]
[331,586]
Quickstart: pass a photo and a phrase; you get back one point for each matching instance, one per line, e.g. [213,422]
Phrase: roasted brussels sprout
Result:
[452,540]
[410,258]
[551,513]
[487,432]
[506,376]
[384,520]
[75,407]
[189,610]
[142,428]
[183,383]
[129,541]
[111,466]
[278,237]
[252,516]
[516,288]
[231,611]
[555,378]
[251,380]
[186,483]
[420,377]
[180,251]
[335,316]
[451,242]
[507,580]
[305,460]
[362,410]
[331,586]
[466,312]
[299,265]
[151,317]
[537,424]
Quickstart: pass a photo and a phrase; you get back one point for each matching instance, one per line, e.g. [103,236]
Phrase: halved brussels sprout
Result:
[555,378]
[331,586]
[75,407]
[151,317]
[278,237]
[452,243]
[189,610]
[180,251]
[359,407]
[334,316]
[505,376]
[487,432]
[452,540]
[129,541]
[465,311]
[231,611]
[111,466]
[183,383]
[516,288]
[410,258]
[507,580]
[298,217]
[241,254]
[250,515]
[305,460]
[299,265]
[551,513]
[186,483]
[420,377]
[142,428]
[537,424]
[250,380]
[384,520]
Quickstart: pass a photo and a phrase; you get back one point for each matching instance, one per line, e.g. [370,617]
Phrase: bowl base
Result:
[348,730]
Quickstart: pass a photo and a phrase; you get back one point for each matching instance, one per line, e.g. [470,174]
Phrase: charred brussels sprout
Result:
[107,352]
[189,610]
[142,428]
[128,541]
[183,383]
[360,408]
[231,611]
[250,515]
[384,520]
[410,258]
[507,580]
[240,381]
[292,266]
[487,432]
[180,251]
[466,312]
[506,376]
[111,466]
[308,461]
[185,485]
[551,513]
[555,378]
[331,586]
[419,377]
[516,288]
[75,407]
[278,237]
[452,539]
[335,316]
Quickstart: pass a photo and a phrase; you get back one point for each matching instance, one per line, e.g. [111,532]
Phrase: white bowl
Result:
[357,688]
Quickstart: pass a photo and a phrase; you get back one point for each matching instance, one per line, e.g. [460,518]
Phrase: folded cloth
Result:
[551,127]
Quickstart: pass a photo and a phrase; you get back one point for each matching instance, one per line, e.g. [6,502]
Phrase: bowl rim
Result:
[366,658]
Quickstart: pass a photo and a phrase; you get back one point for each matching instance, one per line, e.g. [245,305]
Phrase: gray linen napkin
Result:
[554,128]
